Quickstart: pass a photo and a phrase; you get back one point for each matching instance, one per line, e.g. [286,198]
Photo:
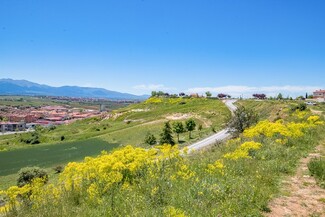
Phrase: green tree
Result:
[178,128]
[208,94]
[279,96]
[242,119]
[150,139]
[190,126]
[166,137]
[154,93]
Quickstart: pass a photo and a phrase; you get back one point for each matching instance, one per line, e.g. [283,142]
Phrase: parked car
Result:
[310,103]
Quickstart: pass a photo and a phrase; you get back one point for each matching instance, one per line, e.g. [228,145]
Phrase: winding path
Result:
[219,136]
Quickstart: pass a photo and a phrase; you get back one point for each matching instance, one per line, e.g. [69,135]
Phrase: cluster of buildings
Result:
[21,118]
[319,95]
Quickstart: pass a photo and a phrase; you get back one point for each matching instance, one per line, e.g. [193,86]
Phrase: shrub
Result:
[150,139]
[243,118]
[58,169]
[317,169]
[27,174]
[300,107]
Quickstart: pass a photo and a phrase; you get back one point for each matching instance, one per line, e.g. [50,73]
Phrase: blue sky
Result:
[233,46]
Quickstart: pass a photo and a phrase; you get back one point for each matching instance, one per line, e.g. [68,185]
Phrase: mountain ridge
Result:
[24,87]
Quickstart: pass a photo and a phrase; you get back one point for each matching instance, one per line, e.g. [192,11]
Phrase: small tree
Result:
[166,136]
[208,94]
[154,93]
[242,119]
[190,126]
[279,96]
[150,139]
[178,128]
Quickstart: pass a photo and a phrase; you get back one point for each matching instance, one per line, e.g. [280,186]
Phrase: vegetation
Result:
[143,117]
[190,126]
[242,119]
[317,169]
[238,178]
[178,128]
[50,155]
[27,174]
[166,137]
[208,94]
[150,139]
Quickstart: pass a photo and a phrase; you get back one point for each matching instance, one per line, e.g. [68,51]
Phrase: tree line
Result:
[166,136]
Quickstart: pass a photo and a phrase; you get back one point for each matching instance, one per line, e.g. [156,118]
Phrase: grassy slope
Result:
[244,188]
[270,109]
[111,131]
[116,130]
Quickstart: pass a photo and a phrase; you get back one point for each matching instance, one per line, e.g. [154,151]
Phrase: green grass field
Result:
[50,155]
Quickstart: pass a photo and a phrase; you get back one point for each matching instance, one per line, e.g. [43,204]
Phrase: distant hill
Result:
[23,87]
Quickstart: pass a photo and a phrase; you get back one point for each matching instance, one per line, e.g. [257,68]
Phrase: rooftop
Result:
[319,91]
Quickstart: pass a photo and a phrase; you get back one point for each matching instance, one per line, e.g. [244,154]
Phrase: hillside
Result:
[23,87]
[122,127]
[237,178]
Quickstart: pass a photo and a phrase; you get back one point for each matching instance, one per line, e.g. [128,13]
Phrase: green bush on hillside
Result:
[27,174]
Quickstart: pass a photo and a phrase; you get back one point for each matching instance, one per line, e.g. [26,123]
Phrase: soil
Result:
[304,197]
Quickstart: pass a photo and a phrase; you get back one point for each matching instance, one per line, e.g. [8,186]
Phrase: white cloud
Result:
[151,87]
[247,91]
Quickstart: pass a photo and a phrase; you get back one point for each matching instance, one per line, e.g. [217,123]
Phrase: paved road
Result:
[9,133]
[219,136]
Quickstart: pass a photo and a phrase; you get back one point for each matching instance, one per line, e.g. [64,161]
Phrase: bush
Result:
[317,169]
[27,174]
[150,139]
[58,169]
[31,138]
[243,118]
[300,107]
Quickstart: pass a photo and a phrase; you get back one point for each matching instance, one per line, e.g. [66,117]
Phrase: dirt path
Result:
[304,196]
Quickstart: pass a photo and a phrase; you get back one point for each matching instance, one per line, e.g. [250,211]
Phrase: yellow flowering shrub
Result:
[243,150]
[279,128]
[153,100]
[96,176]
[300,114]
[315,120]
[217,166]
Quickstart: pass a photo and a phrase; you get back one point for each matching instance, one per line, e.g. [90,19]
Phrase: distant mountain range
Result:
[23,87]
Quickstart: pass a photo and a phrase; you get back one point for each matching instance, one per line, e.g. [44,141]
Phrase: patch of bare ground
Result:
[303,196]
[185,116]
[178,116]
[316,112]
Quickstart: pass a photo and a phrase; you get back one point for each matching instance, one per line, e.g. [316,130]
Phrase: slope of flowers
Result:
[281,129]
[237,179]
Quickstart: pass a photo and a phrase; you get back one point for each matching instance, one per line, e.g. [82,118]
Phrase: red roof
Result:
[319,91]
